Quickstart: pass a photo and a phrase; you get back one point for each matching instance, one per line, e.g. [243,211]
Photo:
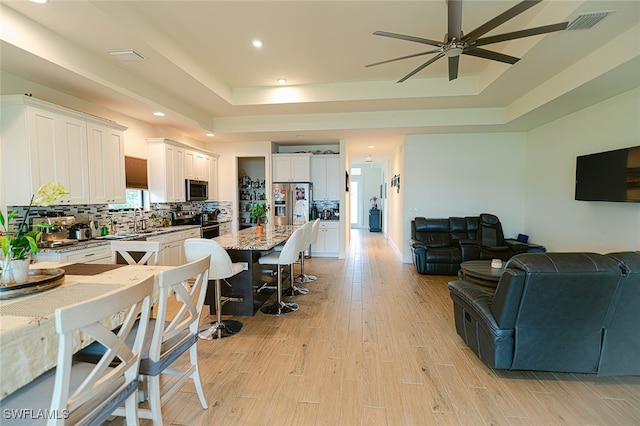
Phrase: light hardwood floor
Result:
[374,343]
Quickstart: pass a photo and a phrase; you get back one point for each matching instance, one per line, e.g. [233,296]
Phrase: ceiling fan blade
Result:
[421,67]
[409,38]
[454,25]
[488,54]
[499,20]
[453,67]
[403,57]
[521,34]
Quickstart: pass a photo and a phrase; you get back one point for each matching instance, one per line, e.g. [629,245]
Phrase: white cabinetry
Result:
[225,228]
[327,244]
[291,167]
[197,165]
[325,176]
[172,246]
[101,254]
[171,162]
[106,159]
[166,171]
[43,143]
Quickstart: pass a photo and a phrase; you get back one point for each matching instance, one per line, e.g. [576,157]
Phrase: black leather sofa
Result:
[563,312]
[439,246]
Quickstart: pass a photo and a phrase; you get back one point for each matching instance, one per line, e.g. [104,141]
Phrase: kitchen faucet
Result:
[136,211]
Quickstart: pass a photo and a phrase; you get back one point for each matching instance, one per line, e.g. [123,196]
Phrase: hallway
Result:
[374,343]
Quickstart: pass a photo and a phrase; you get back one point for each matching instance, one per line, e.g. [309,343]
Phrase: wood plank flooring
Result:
[374,343]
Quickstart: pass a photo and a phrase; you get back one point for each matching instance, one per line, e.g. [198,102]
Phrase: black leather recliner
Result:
[565,312]
[440,245]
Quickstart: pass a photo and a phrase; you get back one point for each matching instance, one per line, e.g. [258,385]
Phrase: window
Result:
[135,198]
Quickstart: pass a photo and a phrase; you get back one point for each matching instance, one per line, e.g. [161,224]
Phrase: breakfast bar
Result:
[245,247]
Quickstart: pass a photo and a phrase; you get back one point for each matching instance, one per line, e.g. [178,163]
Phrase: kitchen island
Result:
[246,247]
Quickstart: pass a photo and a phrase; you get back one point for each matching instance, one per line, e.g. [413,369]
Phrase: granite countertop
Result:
[102,241]
[246,239]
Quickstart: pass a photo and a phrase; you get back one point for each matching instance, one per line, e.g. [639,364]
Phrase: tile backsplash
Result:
[124,219]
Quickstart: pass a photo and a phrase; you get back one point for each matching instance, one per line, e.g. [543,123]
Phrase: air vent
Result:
[587,20]
[127,55]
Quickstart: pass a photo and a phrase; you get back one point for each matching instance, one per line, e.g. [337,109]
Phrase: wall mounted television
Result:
[609,176]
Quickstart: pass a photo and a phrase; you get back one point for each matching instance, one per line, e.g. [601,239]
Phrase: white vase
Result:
[14,271]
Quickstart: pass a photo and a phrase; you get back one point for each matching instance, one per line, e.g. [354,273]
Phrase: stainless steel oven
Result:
[209,225]
[209,231]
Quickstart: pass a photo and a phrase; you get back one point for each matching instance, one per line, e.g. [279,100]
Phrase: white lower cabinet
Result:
[172,246]
[225,228]
[101,254]
[327,244]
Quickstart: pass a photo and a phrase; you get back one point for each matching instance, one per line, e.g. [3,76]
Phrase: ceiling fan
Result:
[456,43]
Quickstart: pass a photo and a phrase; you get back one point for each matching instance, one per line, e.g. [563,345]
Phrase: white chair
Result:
[220,268]
[311,235]
[148,249]
[89,393]
[175,334]
[288,256]
[171,336]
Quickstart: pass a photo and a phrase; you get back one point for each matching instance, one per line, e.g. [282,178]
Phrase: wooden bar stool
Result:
[221,267]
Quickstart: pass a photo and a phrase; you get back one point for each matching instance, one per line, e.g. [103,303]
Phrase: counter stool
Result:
[288,256]
[312,237]
[220,267]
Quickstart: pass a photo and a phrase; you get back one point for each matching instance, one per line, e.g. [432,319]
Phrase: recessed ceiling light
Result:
[39,1]
[371,146]
[159,114]
[282,80]
[211,135]
[256,43]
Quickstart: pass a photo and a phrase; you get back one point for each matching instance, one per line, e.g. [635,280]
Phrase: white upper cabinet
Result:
[166,171]
[325,175]
[43,143]
[196,165]
[106,159]
[291,167]
[171,163]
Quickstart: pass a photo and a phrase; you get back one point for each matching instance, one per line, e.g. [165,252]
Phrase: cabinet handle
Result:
[90,254]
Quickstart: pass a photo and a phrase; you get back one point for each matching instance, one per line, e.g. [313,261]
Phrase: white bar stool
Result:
[288,256]
[311,238]
[221,267]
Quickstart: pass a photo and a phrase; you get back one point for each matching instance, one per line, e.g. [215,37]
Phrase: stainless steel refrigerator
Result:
[291,203]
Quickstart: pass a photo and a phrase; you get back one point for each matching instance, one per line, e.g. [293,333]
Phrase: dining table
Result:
[28,338]
[253,286]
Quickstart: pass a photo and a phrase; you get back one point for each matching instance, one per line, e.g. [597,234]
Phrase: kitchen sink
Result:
[116,237]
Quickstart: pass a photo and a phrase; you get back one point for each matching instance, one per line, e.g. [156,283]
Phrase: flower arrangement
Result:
[18,245]
[374,204]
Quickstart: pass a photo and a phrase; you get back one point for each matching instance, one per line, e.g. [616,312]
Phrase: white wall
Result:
[394,204]
[463,175]
[552,216]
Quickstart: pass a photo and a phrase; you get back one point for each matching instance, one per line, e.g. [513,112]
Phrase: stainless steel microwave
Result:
[197,190]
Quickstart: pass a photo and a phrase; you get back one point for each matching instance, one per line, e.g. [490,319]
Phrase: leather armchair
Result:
[566,312]
[491,242]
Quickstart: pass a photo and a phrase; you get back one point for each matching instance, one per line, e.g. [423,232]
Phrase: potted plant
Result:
[17,246]
[258,214]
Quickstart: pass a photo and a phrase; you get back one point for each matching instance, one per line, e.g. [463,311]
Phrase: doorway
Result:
[251,187]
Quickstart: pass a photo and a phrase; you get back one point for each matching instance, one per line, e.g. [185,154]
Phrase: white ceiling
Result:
[203,72]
